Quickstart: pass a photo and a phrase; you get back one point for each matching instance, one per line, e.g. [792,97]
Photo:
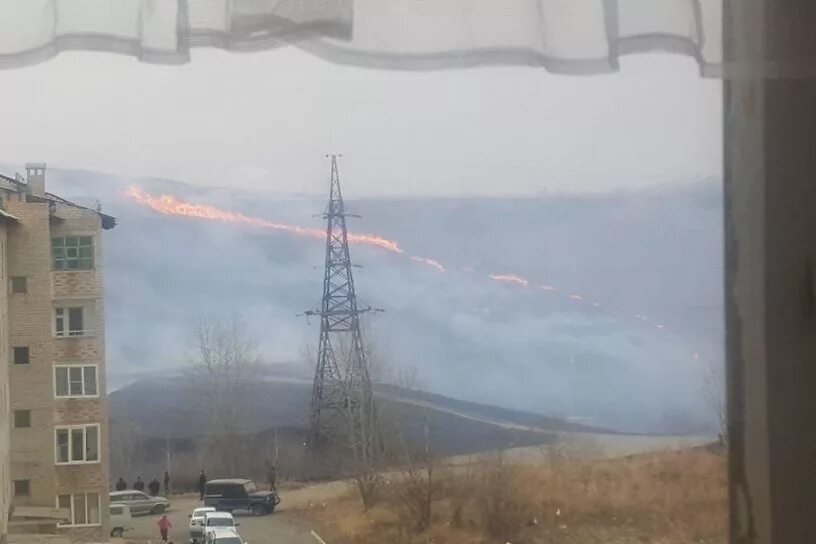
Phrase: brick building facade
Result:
[52,319]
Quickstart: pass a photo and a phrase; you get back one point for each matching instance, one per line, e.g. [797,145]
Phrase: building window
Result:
[80,508]
[22,419]
[77,444]
[69,321]
[75,381]
[19,284]
[22,488]
[20,355]
[72,252]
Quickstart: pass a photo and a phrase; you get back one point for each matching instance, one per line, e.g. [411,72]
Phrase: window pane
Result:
[92,443]
[71,241]
[21,355]
[75,373]
[71,253]
[75,320]
[77,445]
[62,446]
[85,240]
[85,251]
[80,515]
[90,380]
[64,503]
[93,508]
[57,242]
[61,380]
[59,321]
[22,419]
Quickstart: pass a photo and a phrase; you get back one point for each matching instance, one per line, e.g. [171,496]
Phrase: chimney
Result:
[35,175]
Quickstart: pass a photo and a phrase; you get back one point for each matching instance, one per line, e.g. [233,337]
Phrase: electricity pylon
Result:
[342,396]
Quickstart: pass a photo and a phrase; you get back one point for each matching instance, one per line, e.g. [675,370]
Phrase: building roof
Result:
[108,221]
[5,215]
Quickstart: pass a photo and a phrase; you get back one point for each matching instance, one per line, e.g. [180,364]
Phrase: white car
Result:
[197,522]
[120,520]
[224,535]
[218,519]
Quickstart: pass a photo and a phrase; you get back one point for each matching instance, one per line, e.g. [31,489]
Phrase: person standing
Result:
[154,487]
[121,485]
[138,485]
[202,485]
[166,483]
[164,526]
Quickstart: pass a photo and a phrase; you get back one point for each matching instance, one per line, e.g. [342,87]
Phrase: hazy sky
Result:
[265,120]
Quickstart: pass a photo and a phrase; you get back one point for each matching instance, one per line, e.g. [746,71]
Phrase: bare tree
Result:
[127,445]
[714,393]
[224,360]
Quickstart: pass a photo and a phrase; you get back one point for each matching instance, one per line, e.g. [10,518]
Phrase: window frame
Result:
[27,482]
[84,367]
[22,411]
[14,355]
[78,247]
[71,429]
[18,281]
[72,509]
[65,316]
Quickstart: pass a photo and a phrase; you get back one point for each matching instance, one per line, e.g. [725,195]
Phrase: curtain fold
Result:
[564,36]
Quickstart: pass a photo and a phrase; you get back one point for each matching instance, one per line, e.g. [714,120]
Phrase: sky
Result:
[264,121]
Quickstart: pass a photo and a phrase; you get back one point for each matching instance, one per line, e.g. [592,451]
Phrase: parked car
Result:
[197,523]
[218,519]
[120,519]
[224,535]
[140,503]
[238,494]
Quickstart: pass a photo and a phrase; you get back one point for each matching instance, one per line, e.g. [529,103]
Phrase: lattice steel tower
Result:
[342,398]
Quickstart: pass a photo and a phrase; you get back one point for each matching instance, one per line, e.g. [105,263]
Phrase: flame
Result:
[510,278]
[429,262]
[170,205]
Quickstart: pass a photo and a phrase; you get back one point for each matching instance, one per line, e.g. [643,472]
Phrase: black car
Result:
[238,494]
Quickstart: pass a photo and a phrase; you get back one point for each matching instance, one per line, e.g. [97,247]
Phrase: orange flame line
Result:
[170,205]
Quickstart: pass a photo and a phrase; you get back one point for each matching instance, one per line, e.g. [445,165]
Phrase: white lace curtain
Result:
[567,36]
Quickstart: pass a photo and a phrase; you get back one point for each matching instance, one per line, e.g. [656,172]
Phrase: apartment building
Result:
[52,334]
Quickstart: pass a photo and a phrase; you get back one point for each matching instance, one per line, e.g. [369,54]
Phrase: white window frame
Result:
[71,428]
[87,510]
[66,331]
[68,367]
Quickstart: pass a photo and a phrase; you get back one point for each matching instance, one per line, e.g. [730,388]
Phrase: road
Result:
[279,528]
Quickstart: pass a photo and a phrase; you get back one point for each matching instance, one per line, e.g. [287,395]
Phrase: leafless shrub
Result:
[413,490]
[503,511]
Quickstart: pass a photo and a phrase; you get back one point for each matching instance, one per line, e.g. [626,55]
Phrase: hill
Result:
[157,418]
[623,342]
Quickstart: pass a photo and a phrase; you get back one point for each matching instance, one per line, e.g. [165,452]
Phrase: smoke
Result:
[636,261]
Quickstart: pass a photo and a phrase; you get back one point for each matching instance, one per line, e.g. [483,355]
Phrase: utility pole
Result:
[342,396]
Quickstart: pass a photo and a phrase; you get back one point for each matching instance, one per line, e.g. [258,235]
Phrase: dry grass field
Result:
[672,497]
